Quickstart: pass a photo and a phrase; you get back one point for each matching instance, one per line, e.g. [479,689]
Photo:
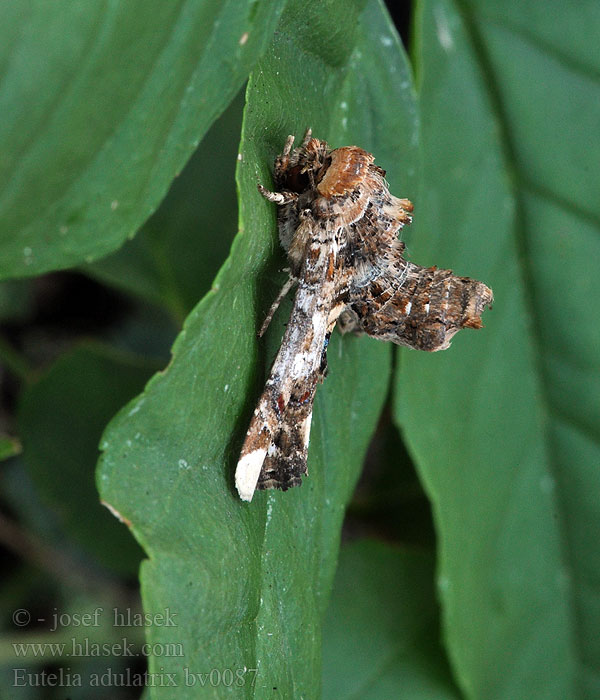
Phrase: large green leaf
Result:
[381,634]
[174,258]
[504,426]
[61,418]
[250,582]
[102,104]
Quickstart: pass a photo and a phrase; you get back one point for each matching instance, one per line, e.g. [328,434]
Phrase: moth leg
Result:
[291,281]
[307,137]
[280,198]
[289,142]
[282,161]
[348,322]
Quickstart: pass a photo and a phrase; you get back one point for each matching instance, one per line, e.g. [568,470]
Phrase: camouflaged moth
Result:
[338,225]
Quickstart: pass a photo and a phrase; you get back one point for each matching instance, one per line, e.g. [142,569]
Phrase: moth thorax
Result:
[349,167]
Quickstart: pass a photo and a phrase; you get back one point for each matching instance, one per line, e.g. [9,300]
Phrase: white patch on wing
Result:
[319,322]
[408,307]
[300,365]
[305,301]
[306,429]
[247,473]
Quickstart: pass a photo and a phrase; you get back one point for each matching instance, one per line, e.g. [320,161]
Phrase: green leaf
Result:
[504,426]
[61,418]
[380,634]
[250,582]
[102,106]
[174,258]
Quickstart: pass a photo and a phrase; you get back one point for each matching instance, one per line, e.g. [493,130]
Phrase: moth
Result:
[338,224]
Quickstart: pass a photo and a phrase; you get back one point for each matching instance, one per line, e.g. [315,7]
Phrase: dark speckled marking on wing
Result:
[398,301]
[425,312]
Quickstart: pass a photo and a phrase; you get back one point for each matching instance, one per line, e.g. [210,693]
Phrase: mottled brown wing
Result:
[421,307]
[286,459]
[275,449]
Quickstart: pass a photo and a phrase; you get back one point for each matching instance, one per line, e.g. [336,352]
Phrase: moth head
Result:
[302,168]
